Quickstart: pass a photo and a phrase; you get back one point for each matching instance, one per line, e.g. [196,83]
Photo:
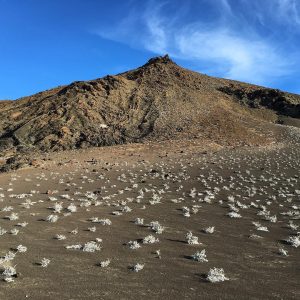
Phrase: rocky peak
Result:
[160,59]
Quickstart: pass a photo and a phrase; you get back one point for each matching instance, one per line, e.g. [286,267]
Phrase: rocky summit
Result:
[155,102]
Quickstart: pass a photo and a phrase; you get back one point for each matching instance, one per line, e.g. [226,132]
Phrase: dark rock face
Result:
[283,103]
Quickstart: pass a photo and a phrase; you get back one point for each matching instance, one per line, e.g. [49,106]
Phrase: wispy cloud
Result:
[241,58]
[225,6]
[156,32]
[290,10]
[226,46]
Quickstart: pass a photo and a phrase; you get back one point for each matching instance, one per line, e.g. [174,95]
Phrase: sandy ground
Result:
[155,182]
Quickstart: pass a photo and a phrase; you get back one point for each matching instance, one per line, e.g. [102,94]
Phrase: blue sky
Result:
[46,43]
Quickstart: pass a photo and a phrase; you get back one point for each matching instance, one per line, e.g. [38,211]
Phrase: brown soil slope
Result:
[157,101]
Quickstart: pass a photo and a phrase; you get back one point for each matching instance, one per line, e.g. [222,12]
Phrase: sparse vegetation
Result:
[176,207]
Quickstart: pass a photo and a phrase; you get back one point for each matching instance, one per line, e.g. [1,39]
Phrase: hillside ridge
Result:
[157,101]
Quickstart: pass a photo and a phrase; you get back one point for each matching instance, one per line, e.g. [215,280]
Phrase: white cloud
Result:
[242,55]
[156,31]
[244,59]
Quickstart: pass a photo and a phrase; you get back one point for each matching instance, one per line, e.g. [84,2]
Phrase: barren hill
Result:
[157,101]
